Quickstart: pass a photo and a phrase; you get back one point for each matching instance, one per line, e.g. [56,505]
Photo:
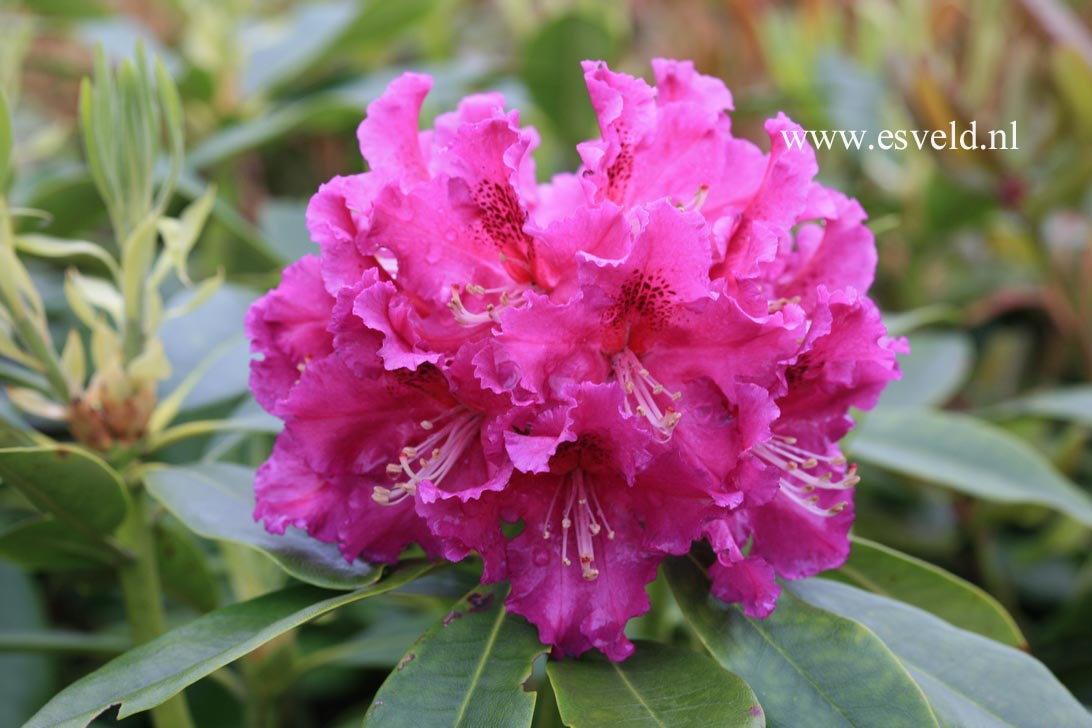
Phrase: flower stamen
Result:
[491,312]
[449,436]
[583,513]
[642,392]
[800,485]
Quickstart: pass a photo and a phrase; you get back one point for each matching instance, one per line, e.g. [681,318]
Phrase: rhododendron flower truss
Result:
[658,349]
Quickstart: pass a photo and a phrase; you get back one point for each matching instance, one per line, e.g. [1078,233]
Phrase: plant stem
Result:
[143,602]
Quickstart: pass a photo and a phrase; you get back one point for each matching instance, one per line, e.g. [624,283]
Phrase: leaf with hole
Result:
[659,686]
[467,671]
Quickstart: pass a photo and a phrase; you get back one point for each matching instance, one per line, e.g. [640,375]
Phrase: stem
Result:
[143,603]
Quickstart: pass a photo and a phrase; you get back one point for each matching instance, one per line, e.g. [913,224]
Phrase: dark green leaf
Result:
[969,455]
[33,639]
[217,501]
[887,572]
[970,680]
[658,687]
[551,70]
[933,371]
[807,666]
[153,672]
[42,543]
[69,483]
[467,671]
[25,680]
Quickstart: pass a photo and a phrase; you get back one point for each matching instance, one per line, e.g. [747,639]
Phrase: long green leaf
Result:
[25,679]
[466,671]
[970,680]
[5,139]
[46,246]
[807,666]
[658,687]
[1073,404]
[69,483]
[217,501]
[43,543]
[887,572]
[968,455]
[155,671]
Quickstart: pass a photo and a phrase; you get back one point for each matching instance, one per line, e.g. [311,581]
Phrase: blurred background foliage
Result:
[985,258]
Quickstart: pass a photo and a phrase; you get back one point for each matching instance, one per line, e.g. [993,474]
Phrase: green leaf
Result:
[68,482]
[181,234]
[551,70]
[970,680]
[46,246]
[933,371]
[467,671]
[42,543]
[1072,404]
[807,666]
[217,501]
[211,332]
[155,671]
[887,572]
[969,455]
[5,139]
[903,322]
[25,680]
[657,687]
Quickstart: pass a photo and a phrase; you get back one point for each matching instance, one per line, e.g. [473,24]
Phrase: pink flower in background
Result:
[659,349]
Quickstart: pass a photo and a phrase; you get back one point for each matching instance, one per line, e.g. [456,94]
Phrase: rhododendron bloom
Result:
[658,349]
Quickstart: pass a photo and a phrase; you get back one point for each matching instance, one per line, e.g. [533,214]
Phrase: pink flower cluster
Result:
[659,349]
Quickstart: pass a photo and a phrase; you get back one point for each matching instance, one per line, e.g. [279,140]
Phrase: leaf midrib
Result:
[476,677]
[633,691]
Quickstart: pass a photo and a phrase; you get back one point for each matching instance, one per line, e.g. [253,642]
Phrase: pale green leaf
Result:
[46,246]
[1071,404]
[936,367]
[887,572]
[968,455]
[808,667]
[217,501]
[970,680]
